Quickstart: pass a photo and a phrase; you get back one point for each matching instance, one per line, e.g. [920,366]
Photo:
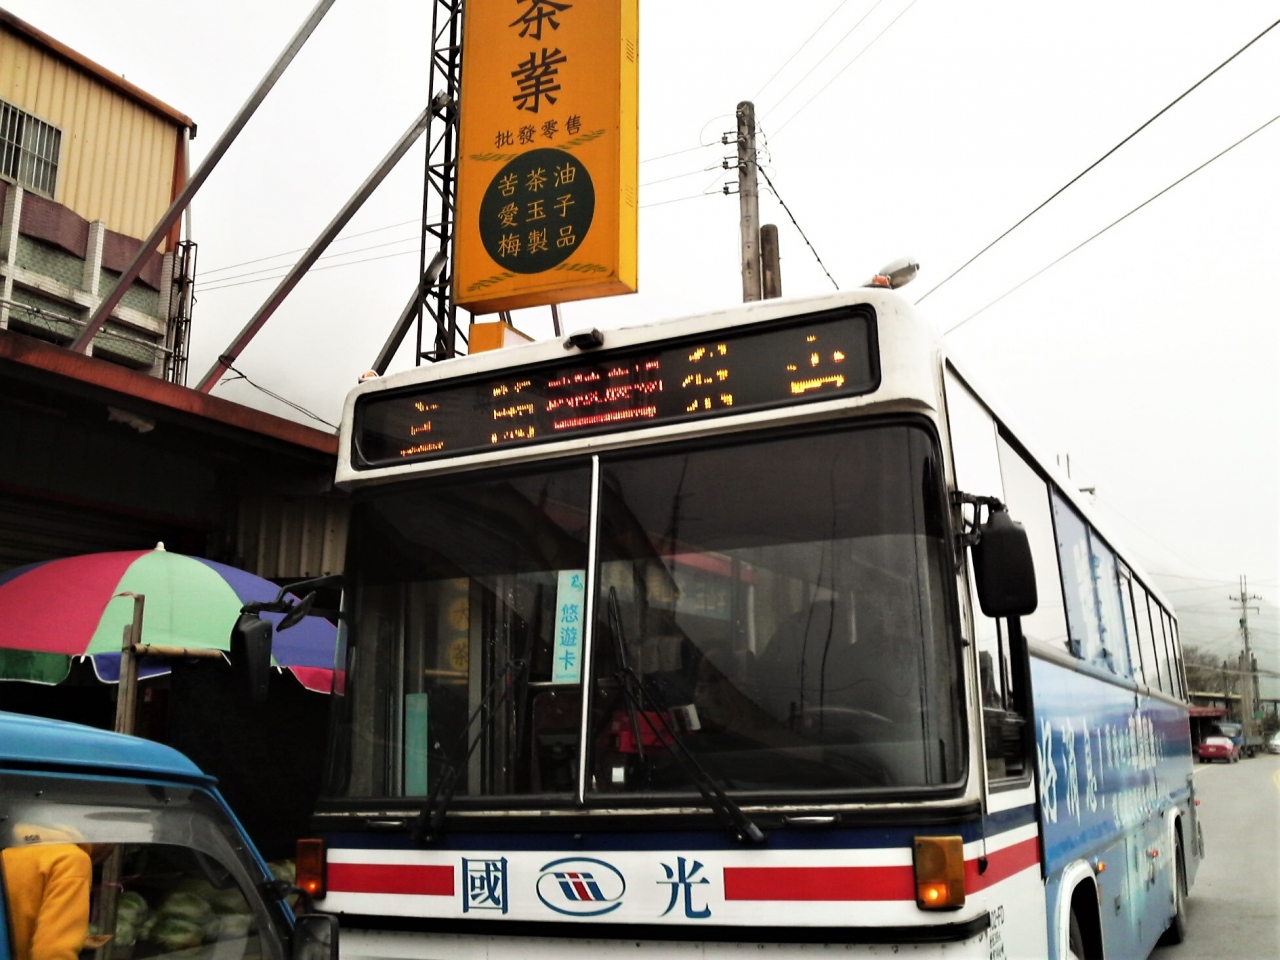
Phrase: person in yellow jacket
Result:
[47,892]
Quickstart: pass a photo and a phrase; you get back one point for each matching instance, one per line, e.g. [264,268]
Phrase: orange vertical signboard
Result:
[547,162]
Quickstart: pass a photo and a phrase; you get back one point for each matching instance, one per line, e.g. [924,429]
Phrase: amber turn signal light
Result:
[939,870]
[310,866]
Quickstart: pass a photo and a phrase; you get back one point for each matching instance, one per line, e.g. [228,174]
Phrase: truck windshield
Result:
[783,602]
[171,872]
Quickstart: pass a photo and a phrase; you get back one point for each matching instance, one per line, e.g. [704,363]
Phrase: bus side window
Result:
[1000,673]
[1146,642]
[1027,496]
[1114,654]
[1170,650]
[1125,579]
[1179,670]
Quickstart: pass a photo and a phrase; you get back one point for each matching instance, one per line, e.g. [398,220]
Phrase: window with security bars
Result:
[28,149]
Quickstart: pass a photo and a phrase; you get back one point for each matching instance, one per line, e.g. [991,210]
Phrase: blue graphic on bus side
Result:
[581,887]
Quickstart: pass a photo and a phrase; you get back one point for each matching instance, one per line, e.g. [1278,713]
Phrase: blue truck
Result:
[162,866]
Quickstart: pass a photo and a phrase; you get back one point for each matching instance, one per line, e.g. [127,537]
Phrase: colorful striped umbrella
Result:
[73,608]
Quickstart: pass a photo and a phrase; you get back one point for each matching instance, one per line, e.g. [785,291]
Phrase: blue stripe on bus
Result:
[865,838]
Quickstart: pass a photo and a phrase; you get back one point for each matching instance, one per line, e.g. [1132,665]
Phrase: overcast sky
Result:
[921,127]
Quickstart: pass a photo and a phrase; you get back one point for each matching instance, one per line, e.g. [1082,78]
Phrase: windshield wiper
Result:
[428,826]
[641,701]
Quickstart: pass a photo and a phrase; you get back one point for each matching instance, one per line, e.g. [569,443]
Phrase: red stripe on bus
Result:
[866,883]
[1002,864]
[417,879]
[819,883]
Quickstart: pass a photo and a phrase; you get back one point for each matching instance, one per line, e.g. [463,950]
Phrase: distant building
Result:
[88,165]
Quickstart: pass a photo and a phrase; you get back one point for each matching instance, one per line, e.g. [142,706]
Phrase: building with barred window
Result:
[88,165]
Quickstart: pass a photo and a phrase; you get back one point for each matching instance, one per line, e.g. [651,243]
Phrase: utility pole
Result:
[1248,669]
[748,202]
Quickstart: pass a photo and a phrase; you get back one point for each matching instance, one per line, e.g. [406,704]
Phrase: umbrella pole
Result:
[127,694]
[126,709]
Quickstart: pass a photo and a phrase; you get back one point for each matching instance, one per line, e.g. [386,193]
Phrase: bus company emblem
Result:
[581,887]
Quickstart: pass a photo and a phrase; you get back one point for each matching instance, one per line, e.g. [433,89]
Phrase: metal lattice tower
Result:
[438,333]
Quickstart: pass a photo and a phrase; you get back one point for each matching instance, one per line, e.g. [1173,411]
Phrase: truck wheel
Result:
[1177,929]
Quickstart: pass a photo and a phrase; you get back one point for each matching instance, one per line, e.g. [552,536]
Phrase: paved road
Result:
[1234,910]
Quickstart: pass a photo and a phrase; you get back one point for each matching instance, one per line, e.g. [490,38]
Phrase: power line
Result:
[217,281]
[676,153]
[846,66]
[1110,225]
[836,9]
[274,256]
[680,176]
[692,196]
[821,60]
[1060,190]
[332,266]
[774,190]
[270,393]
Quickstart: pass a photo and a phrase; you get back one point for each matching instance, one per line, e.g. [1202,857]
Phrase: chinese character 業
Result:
[549,129]
[507,215]
[681,879]
[527,134]
[535,79]
[539,10]
[502,138]
[484,885]
[573,124]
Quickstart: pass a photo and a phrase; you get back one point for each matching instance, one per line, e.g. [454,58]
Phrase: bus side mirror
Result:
[315,937]
[251,651]
[1003,569]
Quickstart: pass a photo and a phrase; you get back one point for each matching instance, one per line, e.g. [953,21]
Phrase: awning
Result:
[1207,711]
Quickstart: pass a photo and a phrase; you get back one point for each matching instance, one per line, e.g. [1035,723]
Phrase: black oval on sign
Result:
[537,211]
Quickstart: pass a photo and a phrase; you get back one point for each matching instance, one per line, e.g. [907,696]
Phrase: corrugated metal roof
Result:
[115,81]
[146,391]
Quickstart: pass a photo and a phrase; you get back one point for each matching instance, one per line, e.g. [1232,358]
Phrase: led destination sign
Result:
[592,393]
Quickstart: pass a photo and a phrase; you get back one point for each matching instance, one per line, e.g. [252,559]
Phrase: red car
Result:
[1219,748]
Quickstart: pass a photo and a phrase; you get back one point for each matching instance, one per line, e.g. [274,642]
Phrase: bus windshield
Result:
[782,602]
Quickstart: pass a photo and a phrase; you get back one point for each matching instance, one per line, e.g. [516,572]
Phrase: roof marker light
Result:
[896,274]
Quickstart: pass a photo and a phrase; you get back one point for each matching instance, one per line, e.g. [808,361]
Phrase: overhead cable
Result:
[1111,224]
[821,60]
[838,7]
[274,256]
[1066,185]
[270,393]
[857,56]
[774,191]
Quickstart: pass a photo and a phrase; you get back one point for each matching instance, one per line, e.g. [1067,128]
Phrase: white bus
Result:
[715,636]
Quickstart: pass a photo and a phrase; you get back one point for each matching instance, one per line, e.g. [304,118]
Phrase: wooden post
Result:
[127,693]
[748,202]
[770,262]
